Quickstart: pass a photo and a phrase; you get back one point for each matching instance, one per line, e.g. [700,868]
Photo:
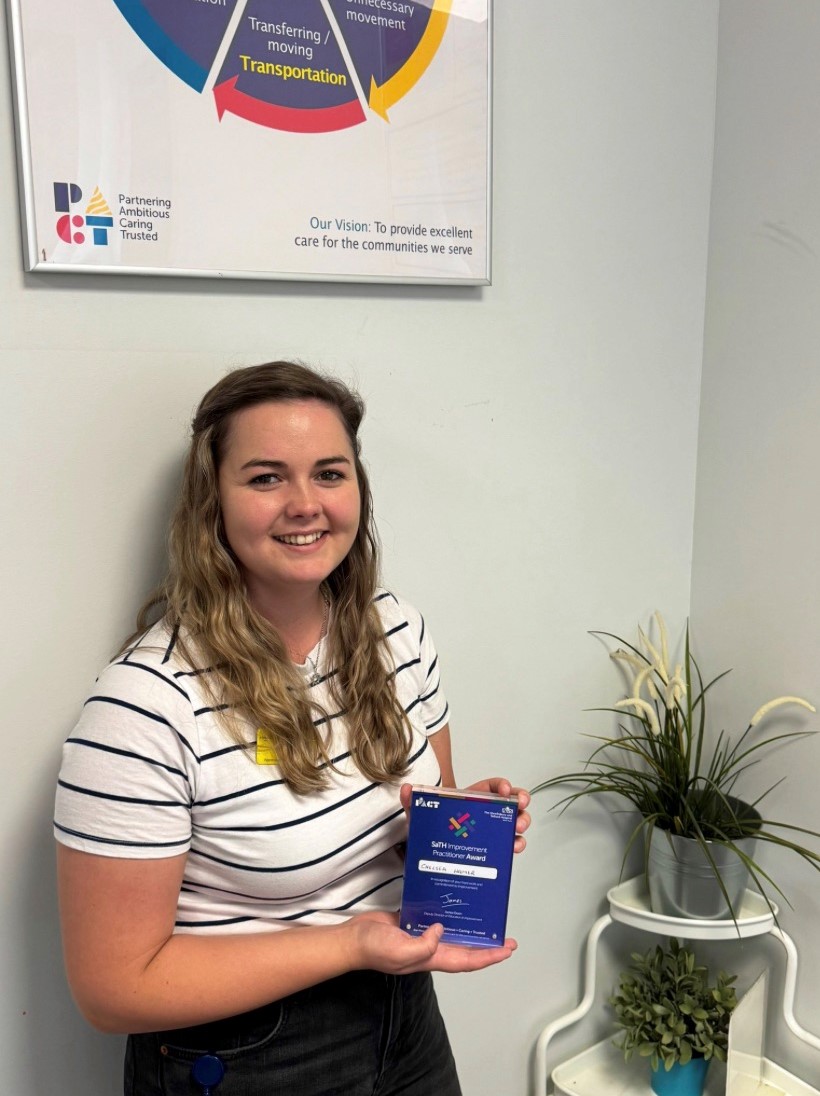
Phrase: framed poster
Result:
[334,140]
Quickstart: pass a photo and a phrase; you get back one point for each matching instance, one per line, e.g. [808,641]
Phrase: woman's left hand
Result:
[496,785]
[499,785]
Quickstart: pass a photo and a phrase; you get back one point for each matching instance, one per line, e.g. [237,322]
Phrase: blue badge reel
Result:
[207,1071]
[458,865]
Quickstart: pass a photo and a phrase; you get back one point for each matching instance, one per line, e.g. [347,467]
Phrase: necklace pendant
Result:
[314,678]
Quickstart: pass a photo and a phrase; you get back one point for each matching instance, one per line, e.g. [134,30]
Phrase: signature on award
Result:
[451,900]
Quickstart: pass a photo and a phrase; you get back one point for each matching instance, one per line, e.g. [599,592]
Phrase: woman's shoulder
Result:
[392,607]
[163,654]
[398,616]
[163,645]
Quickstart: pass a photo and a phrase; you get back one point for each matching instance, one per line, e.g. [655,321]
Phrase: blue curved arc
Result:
[161,45]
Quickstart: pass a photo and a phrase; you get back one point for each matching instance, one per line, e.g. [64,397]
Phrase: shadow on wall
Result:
[57,1050]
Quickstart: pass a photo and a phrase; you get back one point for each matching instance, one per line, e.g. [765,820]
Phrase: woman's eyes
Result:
[270,479]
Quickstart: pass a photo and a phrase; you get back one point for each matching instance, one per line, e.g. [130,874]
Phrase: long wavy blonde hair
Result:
[203,598]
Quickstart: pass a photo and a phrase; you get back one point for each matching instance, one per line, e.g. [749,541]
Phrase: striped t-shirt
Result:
[150,772]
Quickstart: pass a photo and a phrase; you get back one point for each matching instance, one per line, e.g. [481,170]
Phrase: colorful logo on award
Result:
[70,225]
[462,825]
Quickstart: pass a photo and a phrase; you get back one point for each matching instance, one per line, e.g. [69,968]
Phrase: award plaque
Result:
[458,865]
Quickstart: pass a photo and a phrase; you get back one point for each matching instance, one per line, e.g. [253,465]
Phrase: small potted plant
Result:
[669,1013]
[699,831]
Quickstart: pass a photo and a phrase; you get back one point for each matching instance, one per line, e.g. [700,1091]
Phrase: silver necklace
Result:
[315,675]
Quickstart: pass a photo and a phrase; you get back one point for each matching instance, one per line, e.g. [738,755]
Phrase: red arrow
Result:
[293,119]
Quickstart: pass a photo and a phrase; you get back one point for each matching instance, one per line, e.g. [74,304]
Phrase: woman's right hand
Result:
[378,943]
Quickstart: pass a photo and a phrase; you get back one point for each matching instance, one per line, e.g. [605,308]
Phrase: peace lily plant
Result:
[660,762]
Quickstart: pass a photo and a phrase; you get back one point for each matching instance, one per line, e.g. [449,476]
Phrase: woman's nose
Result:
[303,500]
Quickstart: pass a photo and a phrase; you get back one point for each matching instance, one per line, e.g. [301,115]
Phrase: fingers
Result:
[499,785]
[456,959]
[523,799]
[522,822]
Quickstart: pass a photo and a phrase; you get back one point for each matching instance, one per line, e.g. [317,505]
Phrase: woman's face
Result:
[289,496]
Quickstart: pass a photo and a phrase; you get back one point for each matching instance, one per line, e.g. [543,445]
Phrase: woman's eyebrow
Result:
[261,462]
[332,460]
[264,462]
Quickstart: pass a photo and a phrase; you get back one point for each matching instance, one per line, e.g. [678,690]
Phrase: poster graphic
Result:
[318,139]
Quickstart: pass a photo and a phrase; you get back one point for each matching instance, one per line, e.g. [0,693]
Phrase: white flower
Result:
[676,689]
[645,678]
[642,706]
[657,661]
[766,708]
[664,641]
[626,656]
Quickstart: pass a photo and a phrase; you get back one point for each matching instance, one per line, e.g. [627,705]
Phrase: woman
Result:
[231,803]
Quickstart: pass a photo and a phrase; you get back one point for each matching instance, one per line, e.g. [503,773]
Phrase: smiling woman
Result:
[290,503]
[230,808]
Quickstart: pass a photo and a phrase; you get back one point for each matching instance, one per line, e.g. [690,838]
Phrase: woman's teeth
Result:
[300,538]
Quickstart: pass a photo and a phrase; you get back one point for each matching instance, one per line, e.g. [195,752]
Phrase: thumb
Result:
[432,938]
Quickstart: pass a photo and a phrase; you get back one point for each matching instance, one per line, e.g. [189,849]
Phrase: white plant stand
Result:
[601,1068]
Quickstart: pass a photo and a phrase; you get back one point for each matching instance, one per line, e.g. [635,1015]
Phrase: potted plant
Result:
[699,831]
[669,1013]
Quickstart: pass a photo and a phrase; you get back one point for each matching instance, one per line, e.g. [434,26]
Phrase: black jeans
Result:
[363,1034]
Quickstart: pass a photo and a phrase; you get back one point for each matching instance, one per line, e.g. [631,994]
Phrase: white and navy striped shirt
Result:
[150,772]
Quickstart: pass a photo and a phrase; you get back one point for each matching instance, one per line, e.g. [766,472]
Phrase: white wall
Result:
[532,446]
[755,579]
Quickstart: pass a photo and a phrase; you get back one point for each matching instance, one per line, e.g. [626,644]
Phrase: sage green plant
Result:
[667,1010]
[660,762]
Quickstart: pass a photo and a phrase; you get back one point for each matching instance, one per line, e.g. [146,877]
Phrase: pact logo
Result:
[420,801]
[70,225]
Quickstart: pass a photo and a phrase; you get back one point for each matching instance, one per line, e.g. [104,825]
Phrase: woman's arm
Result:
[129,972]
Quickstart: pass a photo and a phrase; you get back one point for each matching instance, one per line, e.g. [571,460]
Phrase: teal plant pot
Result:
[688,1080]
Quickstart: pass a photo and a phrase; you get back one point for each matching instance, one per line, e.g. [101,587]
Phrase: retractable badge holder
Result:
[208,1071]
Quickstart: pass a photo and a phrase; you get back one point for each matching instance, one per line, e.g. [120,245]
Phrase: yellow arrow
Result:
[384,96]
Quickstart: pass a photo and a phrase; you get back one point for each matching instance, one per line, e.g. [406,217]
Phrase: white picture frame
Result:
[172,137]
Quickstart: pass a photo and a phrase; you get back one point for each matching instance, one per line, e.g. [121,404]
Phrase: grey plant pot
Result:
[682,882]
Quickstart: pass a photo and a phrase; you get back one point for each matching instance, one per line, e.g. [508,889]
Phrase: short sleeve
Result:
[130,766]
[417,672]
[435,710]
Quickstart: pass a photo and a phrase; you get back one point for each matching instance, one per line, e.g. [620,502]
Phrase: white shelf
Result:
[768,1079]
[629,904]
[601,1071]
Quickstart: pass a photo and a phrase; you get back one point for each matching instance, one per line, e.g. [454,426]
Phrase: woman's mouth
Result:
[300,538]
